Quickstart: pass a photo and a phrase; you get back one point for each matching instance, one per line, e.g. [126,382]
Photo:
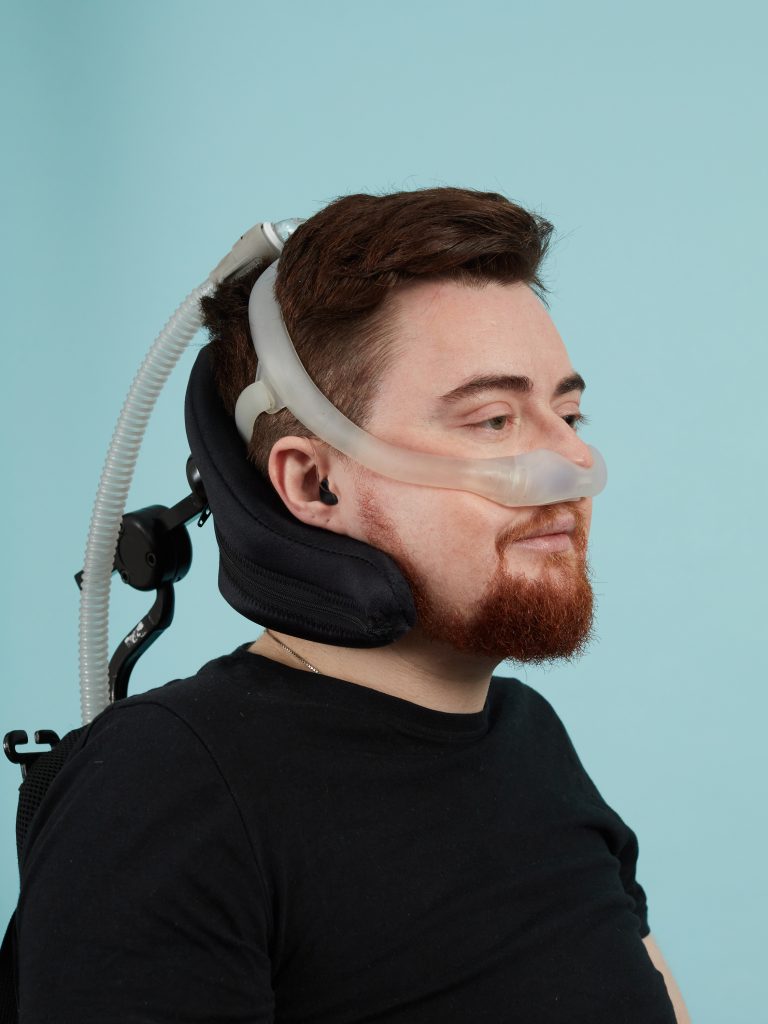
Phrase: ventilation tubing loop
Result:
[112,495]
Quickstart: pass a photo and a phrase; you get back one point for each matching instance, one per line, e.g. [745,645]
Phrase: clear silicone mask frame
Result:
[539,477]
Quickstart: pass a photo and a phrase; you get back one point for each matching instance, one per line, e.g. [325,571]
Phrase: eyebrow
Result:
[505,382]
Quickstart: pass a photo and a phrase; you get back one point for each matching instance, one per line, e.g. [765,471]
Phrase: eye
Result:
[498,422]
[493,419]
[576,420]
[573,420]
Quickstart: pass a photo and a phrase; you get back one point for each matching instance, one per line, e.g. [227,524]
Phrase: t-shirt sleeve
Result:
[141,898]
[627,855]
[624,846]
[624,843]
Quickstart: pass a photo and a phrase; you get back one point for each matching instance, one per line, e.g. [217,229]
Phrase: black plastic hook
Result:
[14,739]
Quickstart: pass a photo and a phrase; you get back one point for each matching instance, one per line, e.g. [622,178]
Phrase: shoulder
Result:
[140,846]
[166,733]
[198,705]
[520,699]
[538,727]
[142,784]
[131,754]
[224,720]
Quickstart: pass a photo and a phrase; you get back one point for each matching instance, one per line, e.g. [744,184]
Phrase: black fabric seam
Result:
[299,617]
[343,605]
[342,602]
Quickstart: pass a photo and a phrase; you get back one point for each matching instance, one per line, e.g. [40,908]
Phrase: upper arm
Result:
[140,895]
[658,961]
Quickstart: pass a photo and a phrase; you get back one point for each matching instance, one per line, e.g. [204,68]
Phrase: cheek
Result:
[455,532]
[437,528]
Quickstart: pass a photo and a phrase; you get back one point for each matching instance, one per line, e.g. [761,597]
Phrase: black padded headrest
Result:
[274,569]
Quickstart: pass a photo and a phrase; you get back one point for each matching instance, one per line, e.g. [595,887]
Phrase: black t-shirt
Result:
[261,843]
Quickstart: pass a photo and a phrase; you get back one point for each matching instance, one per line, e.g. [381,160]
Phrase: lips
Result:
[565,524]
[557,535]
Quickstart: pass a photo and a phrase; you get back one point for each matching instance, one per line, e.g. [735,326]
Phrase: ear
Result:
[297,465]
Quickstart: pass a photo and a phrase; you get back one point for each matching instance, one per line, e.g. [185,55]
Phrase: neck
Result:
[413,668]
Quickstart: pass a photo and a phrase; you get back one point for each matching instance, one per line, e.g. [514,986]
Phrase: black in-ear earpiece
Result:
[327,495]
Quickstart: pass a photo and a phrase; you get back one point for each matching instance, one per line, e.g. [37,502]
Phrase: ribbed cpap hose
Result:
[262,242]
[112,496]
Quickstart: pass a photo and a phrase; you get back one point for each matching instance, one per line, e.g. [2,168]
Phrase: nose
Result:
[564,440]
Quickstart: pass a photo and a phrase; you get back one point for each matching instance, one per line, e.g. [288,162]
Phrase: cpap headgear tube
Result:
[540,477]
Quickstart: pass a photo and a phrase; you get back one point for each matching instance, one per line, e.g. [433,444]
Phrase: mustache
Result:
[544,517]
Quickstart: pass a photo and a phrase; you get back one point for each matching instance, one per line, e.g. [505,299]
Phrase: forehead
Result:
[445,333]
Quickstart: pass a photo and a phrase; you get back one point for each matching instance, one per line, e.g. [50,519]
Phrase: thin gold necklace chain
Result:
[293,652]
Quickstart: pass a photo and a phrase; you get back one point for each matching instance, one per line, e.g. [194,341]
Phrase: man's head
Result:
[394,303]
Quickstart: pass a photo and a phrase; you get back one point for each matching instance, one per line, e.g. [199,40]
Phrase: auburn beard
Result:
[518,618]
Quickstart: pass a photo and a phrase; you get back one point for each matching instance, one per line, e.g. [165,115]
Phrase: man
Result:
[387,834]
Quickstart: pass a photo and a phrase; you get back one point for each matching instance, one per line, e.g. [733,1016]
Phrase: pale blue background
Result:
[141,139]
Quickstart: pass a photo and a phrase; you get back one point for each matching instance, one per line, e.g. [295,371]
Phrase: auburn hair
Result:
[337,271]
